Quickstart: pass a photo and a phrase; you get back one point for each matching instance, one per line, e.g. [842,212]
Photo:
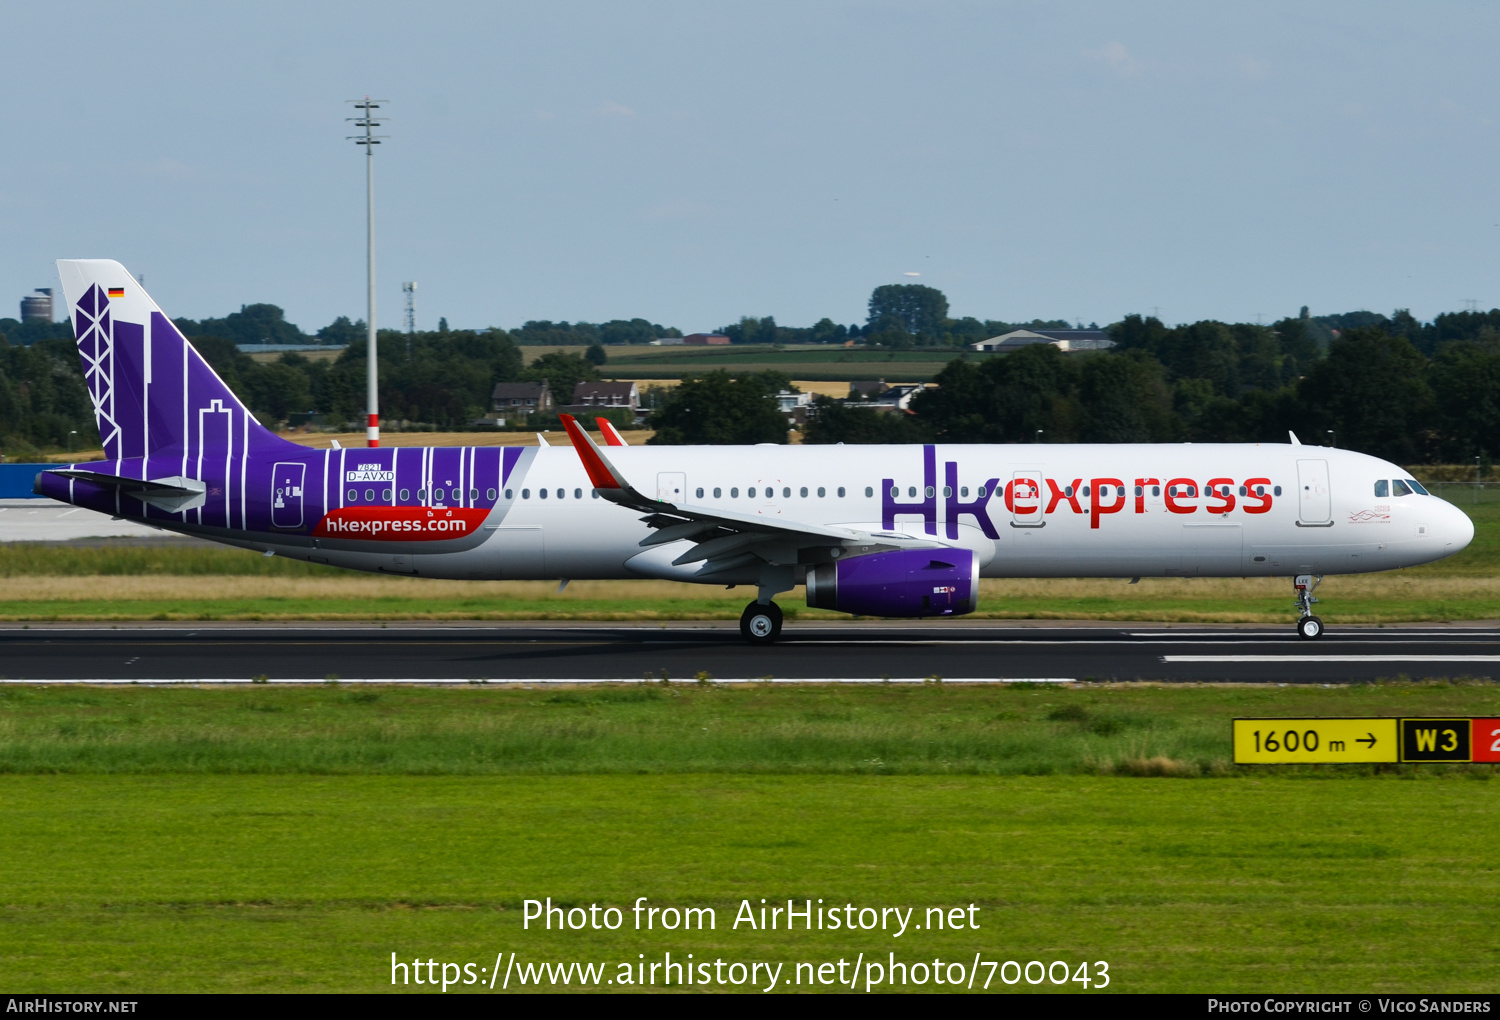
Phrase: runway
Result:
[852,652]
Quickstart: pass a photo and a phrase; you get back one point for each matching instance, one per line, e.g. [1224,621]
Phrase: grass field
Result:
[812,362]
[176,839]
[156,581]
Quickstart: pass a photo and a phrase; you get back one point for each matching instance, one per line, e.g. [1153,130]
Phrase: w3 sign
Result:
[1364,741]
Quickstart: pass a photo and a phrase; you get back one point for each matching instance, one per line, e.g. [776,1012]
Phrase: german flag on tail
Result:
[115,292]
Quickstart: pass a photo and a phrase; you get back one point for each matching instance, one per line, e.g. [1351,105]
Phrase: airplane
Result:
[884,531]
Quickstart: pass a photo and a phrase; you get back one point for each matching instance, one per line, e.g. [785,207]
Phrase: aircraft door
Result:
[1023,497]
[671,486]
[286,494]
[1315,503]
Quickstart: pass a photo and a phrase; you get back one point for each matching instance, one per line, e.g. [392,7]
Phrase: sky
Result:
[695,162]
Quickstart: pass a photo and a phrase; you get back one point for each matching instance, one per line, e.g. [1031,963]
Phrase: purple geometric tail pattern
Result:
[96,346]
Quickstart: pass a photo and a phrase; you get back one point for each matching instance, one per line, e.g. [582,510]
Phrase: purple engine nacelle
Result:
[908,582]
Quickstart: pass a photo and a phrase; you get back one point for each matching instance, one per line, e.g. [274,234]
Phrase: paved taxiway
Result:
[852,651]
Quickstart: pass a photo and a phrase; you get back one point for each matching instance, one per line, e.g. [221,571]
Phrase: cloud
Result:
[614,109]
[1115,57]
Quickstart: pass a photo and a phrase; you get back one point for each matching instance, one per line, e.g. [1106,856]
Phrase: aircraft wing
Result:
[724,538]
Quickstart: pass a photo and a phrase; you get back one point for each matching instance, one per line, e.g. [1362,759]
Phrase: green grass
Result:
[814,362]
[681,727]
[291,839]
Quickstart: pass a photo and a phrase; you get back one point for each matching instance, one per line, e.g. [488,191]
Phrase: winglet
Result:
[601,472]
[611,436]
[1293,437]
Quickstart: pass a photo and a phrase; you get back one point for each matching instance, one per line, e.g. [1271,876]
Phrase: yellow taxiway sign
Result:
[1314,741]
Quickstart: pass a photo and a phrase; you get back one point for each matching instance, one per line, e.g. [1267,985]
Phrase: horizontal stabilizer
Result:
[173,495]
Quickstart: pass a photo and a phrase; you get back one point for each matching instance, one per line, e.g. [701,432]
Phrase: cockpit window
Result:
[1417,486]
[1382,489]
[1400,488]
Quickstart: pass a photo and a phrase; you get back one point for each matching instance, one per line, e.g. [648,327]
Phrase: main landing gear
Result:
[1309,627]
[760,623]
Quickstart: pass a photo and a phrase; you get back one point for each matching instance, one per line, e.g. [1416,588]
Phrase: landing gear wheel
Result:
[761,624]
[1310,628]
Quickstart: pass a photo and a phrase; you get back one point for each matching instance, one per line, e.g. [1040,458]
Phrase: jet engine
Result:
[907,582]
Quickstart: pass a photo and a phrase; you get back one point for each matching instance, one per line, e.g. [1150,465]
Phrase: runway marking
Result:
[1330,658]
[577,680]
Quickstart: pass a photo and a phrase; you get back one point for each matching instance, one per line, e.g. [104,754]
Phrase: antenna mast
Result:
[367,120]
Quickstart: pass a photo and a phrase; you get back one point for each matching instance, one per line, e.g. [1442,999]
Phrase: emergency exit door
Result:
[671,486]
[286,494]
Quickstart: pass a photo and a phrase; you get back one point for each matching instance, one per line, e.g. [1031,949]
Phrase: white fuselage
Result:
[1026,511]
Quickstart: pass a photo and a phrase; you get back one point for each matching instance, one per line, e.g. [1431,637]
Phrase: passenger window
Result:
[1085,490]
[353,496]
[699,493]
[822,492]
[510,493]
[525,493]
[385,495]
[1068,490]
[911,492]
[406,495]
[457,495]
[473,493]
[1156,490]
[869,492]
[804,492]
[1382,488]
[963,492]
[489,494]
[594,493]
[734,493]
[718,492]
[750,492]
[1140,490]
[981,493]
[369,495]
[1244,491]
[1416,486]
[1400,488]
[540,493]
[1276,491]
[841,492]
[927,492]
[421,495]
[578,493]
[786,492]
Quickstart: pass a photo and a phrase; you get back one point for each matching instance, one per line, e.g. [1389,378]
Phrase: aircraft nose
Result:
[1458,530]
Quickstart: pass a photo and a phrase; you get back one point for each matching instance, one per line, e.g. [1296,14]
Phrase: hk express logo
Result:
[400,523]
[1030,498]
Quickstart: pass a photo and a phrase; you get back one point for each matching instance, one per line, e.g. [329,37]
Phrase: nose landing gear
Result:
[1309,627]
[760,623]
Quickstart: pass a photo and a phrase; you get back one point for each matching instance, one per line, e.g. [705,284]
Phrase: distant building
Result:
[590,395]
[692,340]
[37,307]
[866,389]
[1063,339]
[896,397]
[521,397]
[789,401]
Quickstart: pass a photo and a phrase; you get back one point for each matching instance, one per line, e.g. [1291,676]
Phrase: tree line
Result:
[1392,386]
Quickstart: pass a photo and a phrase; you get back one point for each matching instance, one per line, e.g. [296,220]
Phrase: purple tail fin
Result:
[153,394]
